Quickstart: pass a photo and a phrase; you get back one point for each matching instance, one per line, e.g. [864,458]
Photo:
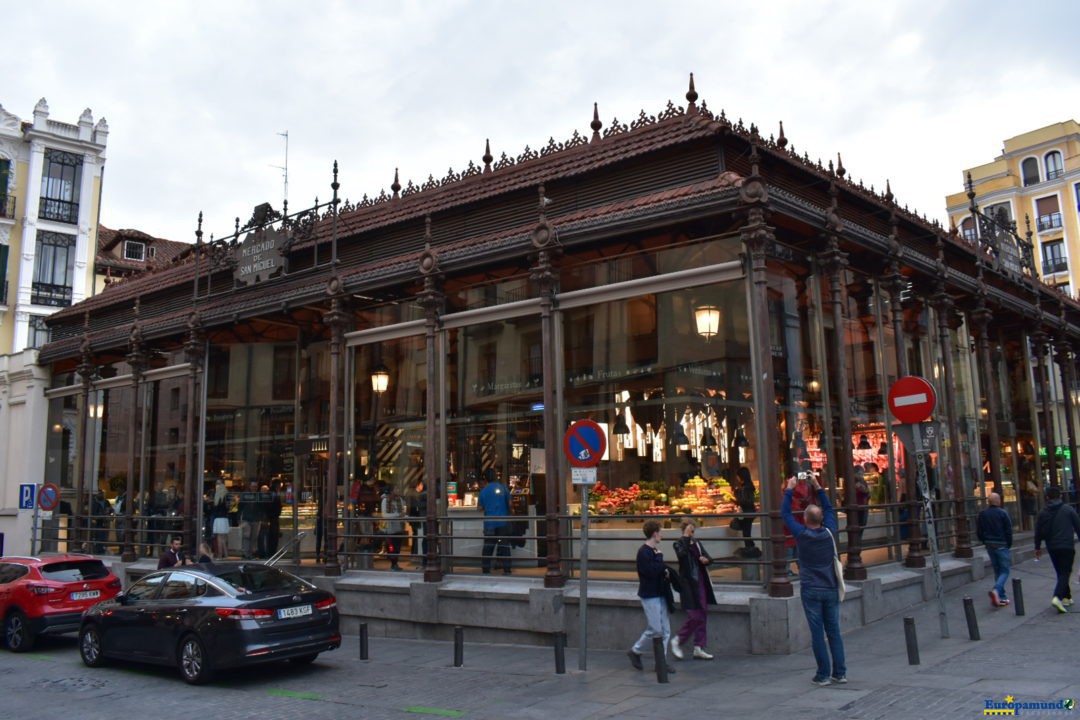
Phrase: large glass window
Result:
[60,441]
[54,269]
[60,182]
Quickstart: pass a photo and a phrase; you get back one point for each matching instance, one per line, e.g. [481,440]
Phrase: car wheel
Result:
[17,634]
[304,659]
[90,646]
[194,665]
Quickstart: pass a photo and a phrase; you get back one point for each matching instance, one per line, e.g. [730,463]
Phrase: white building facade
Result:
[50,187]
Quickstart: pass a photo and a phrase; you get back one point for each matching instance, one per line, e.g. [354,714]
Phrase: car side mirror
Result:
[122,599]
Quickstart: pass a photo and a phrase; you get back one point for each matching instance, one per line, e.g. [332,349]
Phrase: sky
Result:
[196,94]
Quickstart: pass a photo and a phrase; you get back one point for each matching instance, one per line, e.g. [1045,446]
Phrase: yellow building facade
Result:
[1035,182]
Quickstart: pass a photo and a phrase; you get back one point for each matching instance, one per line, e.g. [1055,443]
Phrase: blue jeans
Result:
[658,624]
[822,608]
[1001,561]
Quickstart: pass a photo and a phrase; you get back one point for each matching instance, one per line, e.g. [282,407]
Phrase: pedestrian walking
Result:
[1057,525]
[697,593]
[654,590]
[819,584]
[995,531]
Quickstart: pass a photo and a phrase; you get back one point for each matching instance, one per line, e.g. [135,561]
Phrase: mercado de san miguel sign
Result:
[260,256]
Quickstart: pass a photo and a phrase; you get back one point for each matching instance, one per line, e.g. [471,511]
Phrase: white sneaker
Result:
[701,653]
[1058,604]
[675,649]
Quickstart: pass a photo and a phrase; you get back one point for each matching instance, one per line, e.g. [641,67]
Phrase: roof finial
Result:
[487,155]
[334,186]
[888,191]
[596,124]
[841,171]
[198,230]
[691,98]
[396,186]
[781,142]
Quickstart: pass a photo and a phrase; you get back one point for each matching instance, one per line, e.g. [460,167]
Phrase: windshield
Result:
[250,579]
[75,570]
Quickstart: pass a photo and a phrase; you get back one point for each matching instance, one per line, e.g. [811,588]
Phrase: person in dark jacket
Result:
[696,589]
[995,531]
[819,584]
[653,586]
[745,497]
[1057,525]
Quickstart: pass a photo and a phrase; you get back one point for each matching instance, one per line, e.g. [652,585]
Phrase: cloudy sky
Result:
[196,93]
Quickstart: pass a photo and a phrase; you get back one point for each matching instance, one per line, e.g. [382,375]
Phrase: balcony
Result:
[63,211]
[1054,174]
[46,294]
[1051,221]
[1053,265]
[7,206]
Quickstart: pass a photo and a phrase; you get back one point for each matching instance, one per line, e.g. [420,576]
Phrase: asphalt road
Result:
[1030,658]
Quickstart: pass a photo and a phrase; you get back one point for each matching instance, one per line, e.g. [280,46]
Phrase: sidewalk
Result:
[1032,658]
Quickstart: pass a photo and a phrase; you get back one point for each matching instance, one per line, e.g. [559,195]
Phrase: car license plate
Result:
[85,594]
[294,612]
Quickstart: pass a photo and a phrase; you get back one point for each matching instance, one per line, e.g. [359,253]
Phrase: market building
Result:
[711,296]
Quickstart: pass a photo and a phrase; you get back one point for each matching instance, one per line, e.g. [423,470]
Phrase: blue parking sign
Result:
[27,493]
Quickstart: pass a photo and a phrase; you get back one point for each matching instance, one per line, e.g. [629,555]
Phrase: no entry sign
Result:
[912,399]
[584,444]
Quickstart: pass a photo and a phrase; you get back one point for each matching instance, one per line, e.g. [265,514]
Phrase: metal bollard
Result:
[912,641]
[1018,596]
[972,621]
[560,653]
[459,646]
[660,659]
[363,641]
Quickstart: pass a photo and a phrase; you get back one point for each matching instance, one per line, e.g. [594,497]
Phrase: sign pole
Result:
[583,600]
[931,529]
[912,400]
[585,443]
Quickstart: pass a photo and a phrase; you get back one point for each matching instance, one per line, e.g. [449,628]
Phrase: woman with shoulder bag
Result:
[695,586]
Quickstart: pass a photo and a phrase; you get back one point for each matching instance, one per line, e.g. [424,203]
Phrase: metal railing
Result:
[1050,221]
[370,543]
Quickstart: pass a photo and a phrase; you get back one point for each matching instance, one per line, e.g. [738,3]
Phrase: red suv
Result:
[44,596]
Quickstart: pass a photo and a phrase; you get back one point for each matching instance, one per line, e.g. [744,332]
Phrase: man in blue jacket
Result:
[818,581]
[995,531]
[1057,525]
[653,590]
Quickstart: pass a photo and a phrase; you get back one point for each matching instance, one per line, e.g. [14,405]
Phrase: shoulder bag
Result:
[838,567]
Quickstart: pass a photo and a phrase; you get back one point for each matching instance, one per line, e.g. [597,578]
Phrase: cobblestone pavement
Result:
[1031,658]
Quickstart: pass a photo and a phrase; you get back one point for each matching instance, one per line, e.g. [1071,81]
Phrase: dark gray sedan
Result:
[203,618]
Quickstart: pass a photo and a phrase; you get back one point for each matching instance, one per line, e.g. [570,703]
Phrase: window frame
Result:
[47,251]
[1023,171]
[131,245]
[61,180]
[1059,165]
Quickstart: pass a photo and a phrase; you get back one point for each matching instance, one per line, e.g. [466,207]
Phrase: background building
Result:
[1035,182]
[50,184]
